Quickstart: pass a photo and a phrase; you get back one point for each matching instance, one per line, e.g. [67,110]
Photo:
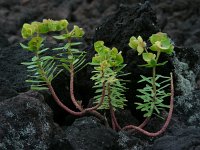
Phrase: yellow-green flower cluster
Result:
[138,44]
[160,43]
[46,26]
[105,56]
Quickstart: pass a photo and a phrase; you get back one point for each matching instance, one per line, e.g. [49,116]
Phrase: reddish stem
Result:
[73,97]
[101,101]
[92,112]
[72,89]
[167,120]
[62,105]
[113,118]
[113,124]
[144,123]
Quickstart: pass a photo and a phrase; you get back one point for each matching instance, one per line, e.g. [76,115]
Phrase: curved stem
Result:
[73,97]
[166,122]
[92,112]
[101,101]
[72,88]
[144,123]
[62,105]
[113,118]
[98,115]
[113,124]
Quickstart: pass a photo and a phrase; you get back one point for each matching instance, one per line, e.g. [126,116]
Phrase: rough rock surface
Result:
[184,139]
[180,19]
[6,90]
[88,134]
[117,29]
[187,107]
[3,40]
[26,122]
[11,67]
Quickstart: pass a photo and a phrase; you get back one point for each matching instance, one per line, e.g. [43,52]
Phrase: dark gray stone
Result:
[6,90]
[184,139]
[26,122]
[88,134]
[188,106]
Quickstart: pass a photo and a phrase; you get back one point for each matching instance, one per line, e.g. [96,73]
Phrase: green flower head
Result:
[63,24]
[138,44]
[77,32]
[150,58]
[105,55]
[161,42]
[35,43]
[27,31]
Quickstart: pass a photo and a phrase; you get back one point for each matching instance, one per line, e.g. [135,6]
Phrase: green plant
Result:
[108,69]
[153,94]
[45,68]
[108,65]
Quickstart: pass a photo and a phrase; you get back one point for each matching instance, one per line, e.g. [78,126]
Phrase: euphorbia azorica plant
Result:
[108,69]
[44,69]
[153,94]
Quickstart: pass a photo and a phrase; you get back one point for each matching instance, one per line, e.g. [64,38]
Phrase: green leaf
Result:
[34,81]
[148,57]
[147,79]
[61,37]
[57,73]
[66,66]
[31,66]
[76,43]
[59,48]
[24,47]
[28,63]
[42,51]
[158,112]
[38,88]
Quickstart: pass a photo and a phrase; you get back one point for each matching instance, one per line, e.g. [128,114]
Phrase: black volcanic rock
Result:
[3,40]
[6,90]
[184,139]
[187,106]
[26,122]
[11,67]
[88,134]
[136,20]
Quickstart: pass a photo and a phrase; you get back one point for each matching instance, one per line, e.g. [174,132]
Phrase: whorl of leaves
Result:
[148,104]
[43,68]
[108,65]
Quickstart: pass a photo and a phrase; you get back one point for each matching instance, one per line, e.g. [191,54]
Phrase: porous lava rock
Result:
[26,122]
[183,139]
